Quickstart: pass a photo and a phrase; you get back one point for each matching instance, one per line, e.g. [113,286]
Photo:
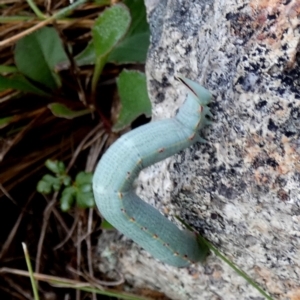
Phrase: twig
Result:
[19,136]
[12,233]
[89,247]
[82,143]
[95,282]
[63,283]
[78,255]
[12,284]
[47,213]
[4,191]
[69,235]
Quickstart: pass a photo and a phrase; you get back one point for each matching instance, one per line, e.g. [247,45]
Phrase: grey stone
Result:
[241,189]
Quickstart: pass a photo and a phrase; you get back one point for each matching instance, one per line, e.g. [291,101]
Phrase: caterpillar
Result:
[136,150]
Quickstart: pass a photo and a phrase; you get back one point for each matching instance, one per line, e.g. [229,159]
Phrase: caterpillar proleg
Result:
[136,150]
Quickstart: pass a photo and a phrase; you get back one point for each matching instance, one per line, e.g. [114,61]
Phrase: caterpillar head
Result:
[202,94]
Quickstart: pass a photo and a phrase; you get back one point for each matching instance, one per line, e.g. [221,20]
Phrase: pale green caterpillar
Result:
[140,148]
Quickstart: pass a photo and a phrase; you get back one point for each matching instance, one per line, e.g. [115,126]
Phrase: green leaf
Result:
[134,47]
[87,56]
[66,180]
[84,195]
[55,166]
[109,28]
[85,200]
[62,111]
[44,187]
[67,198]
[106,225]
[85,188]
[38,54]
[48,183]
[84,178]
[19,82]
[134,98]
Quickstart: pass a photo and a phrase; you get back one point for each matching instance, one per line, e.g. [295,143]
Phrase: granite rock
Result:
[241,189]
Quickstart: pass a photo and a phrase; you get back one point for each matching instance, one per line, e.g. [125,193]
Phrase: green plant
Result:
[78,191]
[120,35]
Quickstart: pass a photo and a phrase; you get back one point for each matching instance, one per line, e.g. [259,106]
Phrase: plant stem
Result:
[236,269]
[99,65]
[36,10]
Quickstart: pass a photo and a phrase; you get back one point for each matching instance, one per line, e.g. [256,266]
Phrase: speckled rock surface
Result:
[242,189]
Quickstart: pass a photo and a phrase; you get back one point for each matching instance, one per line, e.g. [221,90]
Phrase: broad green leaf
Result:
[139,16]
[61,111]
[87,56]
[20,83]
[37,55]
[134,47]
[109,28]
[134,98]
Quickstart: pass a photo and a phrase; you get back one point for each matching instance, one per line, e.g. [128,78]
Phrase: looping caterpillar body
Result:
[136,150]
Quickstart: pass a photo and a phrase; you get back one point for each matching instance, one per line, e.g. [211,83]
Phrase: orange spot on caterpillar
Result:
[120,195]
[139,161]
[144,228]
[192,137]
[198,124]
[161,150]
[200,109]
[132,219]
[176,254]
[155,236]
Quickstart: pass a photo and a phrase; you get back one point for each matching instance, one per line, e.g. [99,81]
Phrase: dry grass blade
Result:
[13,232]
[47,213]
[41,24]
[29,267]
[62,282]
